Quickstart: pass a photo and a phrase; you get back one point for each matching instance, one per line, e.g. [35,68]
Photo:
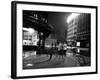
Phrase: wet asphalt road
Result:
[50,61]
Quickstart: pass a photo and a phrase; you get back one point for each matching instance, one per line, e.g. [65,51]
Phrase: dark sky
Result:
[58,21]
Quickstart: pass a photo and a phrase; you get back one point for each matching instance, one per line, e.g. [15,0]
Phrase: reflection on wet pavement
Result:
[32,60]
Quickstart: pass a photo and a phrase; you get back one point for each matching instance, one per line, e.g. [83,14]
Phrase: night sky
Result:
[58,21]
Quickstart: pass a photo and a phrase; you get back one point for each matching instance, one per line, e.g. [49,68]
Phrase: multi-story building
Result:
[72,29]
[78,30]
[38,22]
[83,30]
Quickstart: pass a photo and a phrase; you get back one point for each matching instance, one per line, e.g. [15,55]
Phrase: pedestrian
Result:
[65,47]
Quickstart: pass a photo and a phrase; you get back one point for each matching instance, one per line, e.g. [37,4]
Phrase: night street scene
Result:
[56,39]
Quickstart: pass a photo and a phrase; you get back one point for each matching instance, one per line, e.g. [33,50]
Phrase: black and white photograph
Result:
[53,39]
[56,39]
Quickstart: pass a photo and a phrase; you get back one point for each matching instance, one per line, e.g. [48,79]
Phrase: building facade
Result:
[37,21]
[78,30]
[84,30]
[72,31]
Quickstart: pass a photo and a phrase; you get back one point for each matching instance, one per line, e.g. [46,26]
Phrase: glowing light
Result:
[78,50]
[30,30]
[34,36]
[78,43]
[30,65]
[49,46]
[72,16]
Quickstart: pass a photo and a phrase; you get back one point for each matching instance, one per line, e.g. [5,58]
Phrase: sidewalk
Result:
[36,59]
